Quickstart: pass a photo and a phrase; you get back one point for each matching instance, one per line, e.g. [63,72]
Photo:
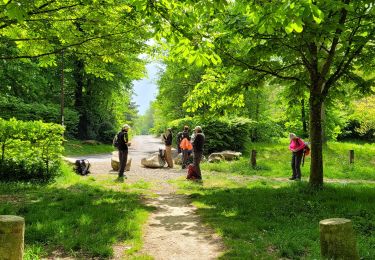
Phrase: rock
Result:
[115,163]
[231,155]
[178,159]
[216,157]
[152,162]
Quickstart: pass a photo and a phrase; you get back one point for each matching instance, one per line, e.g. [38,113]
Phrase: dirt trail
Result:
[174,230]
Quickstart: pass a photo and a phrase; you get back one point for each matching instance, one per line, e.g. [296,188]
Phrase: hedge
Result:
[30,151]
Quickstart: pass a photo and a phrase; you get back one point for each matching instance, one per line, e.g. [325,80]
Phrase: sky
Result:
[146,89]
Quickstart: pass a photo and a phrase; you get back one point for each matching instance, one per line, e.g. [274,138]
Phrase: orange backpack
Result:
[186,144]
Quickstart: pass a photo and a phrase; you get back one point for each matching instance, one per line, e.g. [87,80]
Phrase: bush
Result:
[30,151]
[221,134]
[14,107]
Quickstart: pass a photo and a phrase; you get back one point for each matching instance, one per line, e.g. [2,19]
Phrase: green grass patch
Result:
[262,219]
[76,148]
[75,216]
[273,160]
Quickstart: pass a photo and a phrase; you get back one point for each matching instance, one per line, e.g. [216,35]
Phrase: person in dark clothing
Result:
[167,137]
[198,149]
[185,151]
[297,146]
[123,139]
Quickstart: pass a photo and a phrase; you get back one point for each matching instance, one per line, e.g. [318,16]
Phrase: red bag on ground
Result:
[191,172]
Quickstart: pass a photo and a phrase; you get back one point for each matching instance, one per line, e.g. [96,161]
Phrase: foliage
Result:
[220,133]
[317,46]
[266,219]
[75,216]
[15,107]
[365,114]
[30,151]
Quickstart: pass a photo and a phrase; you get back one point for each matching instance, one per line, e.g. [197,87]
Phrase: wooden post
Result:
[253,159]
[337,239]
[12,229]
[351,156]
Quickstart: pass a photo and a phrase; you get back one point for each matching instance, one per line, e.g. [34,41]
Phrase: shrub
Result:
[15,107]
[30,151]
[221,133]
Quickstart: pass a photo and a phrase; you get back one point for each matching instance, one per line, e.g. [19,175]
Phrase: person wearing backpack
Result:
[184,145]
[198,143]
[122,146]
[297,146]
[167,137]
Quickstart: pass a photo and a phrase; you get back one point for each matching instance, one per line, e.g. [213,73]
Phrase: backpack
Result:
[115,141]
[191,172]
[306,152]
[186,144]
[82,167]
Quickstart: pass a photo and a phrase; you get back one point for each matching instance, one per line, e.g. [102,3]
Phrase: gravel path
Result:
[174,230]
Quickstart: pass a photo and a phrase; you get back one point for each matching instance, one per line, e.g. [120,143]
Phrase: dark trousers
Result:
[123,158]
[185,157]
[196,161]
[296,164]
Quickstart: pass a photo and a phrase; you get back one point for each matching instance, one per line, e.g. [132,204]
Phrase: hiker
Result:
[184,145]
[198,143]
[297,146]
[167,137]
[122,139]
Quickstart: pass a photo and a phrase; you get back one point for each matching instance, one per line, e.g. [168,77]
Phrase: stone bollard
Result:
[337,239]
[12,229]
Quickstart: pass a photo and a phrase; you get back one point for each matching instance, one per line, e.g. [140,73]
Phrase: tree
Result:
[320,45]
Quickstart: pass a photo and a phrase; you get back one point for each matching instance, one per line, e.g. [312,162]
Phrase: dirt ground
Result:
[174,230]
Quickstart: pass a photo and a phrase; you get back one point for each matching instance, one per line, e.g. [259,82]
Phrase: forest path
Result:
[174,230]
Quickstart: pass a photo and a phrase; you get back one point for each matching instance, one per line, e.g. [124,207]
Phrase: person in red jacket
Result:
[296,146]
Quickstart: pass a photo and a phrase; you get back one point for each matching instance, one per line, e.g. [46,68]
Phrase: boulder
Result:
[178,159]
[115,163]
[152,162]
[231,155]
[216,157]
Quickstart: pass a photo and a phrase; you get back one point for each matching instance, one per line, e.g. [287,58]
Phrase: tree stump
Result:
[253,158]
[337,239]
[351,156]
[12,229]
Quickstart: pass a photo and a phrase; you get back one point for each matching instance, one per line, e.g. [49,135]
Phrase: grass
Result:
[265,219]
[76,148]
[273,160]
[76,216]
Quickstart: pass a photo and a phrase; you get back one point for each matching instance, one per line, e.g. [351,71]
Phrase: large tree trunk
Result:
[316,168]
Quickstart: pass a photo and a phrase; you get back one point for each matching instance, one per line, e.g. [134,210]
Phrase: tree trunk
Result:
[316,168]
[303,117]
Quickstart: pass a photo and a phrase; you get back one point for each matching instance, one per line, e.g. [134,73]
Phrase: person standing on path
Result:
[122,138]
[185,149]
[297,146]
[167,137]
[198,149]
